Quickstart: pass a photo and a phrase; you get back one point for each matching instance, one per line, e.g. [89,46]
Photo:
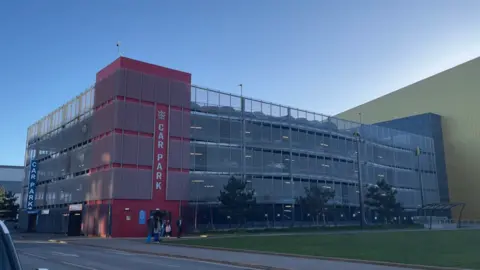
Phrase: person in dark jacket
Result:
[151,228]
[179,227]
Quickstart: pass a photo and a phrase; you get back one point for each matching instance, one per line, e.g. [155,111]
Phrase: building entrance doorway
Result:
[32,223]
[75,220]
[74,223]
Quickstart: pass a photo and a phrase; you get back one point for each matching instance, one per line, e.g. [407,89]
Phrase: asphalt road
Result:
[42,254]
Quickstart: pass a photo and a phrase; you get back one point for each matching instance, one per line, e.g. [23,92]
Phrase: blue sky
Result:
[324,56]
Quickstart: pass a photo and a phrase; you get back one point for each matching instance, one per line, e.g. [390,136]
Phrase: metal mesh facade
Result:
[278,150]
[285,150]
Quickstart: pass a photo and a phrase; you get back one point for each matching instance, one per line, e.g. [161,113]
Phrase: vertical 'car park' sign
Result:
[32,185]
[160,152]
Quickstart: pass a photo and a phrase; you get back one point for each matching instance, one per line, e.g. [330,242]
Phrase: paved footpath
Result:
[242,259]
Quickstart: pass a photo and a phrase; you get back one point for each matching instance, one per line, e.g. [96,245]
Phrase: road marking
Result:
[120,252]
[34,255]
[79,265]
[161,264]
[64,254]
[32,242]
[57,241]
[203,262]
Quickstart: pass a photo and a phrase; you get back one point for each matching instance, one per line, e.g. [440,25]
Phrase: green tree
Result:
[8,205]
[237,201]
[381,198]
[315,201]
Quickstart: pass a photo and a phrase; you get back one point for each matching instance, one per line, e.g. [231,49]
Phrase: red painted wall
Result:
[146,68]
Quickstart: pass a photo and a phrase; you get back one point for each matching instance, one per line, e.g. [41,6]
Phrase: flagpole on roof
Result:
[241,89]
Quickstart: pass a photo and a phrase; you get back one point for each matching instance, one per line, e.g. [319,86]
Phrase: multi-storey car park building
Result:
[144,138]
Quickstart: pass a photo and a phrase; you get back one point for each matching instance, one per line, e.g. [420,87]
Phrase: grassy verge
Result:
[436,248]
[241,231]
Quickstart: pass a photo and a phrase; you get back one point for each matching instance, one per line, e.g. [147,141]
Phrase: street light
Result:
[357,135]
[418,152]
[196,182]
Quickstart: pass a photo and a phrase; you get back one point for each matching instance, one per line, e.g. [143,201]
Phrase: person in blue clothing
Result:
[158,230]
[150,228]
[162,228]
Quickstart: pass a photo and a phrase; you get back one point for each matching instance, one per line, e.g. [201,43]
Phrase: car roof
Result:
[4,228]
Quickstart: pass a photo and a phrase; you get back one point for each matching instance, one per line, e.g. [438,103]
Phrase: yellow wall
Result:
[455,95]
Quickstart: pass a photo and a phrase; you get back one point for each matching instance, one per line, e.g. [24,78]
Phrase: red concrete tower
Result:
[147,110]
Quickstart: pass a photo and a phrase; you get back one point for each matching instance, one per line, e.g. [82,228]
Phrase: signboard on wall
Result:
[75,207]
[32,185]
[160,151]
[142,217]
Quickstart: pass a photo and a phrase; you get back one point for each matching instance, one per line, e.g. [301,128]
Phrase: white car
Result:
[8,255]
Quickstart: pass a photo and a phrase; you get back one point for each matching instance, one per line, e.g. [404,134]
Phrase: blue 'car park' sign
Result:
[32,185]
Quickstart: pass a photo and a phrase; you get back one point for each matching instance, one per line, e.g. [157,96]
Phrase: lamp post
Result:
[241,89]
[197,182]
[418,152]
[360,182]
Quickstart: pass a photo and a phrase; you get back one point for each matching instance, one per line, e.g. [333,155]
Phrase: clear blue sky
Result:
[324,56]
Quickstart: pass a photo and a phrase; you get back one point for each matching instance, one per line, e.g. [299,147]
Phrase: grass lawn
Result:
[436,248]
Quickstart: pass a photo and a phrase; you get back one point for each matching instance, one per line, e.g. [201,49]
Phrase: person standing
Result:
[168,229]
[150,228]
[179,227]
[157,231]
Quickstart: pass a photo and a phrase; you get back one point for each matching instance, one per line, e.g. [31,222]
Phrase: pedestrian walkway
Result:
[260,261]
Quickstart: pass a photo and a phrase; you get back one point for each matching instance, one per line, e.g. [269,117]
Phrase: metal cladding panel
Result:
[176,125]
[103,120]
[130,149]
[145,118]
[23,220]
[39,195]
[427,124]
[102,151]
[132,184]
[205,128]
[162,93]
[131,116]
[95,219]
[186,157]
[104,90]
[120,82]
[81,159]
[175,154]
[148,88]
[178,186]
[117,148]
[134,84]
[97,186]
[145,151]
[101,186]
[65,138]
[179,94]
[460,128]
[121,114]
[54,168]
[206,187]
[56,221]
[186,124]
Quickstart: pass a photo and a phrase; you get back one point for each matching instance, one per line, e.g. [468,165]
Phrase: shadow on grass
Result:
[306,229]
